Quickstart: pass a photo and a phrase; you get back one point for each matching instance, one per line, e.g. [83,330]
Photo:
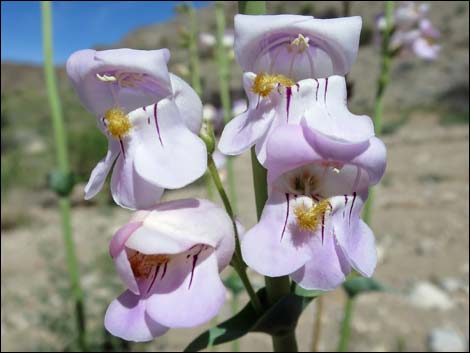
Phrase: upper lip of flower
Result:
[283,44]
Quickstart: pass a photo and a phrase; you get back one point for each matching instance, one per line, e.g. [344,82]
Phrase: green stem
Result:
[235,343]
[237,261]
[63,164]
[382,83]
[193,52]
[196,77]
[252,7]
[317,326]
[346,325]
[277,287]
[224,87]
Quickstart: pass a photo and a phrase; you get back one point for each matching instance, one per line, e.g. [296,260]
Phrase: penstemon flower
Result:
[150,117]
[170,262]
[320,103]
[310,228]
[283,57]
[413,32]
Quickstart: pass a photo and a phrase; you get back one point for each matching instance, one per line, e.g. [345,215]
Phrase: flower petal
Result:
[274,247]
[191,292]
[126,318]
[284,155]
[327,267]
[175,226]
[330,116]
[101,171]
[98,96]
[188,102]
[169,154]
[262,45]
[354,236]
[128,188]
[252,126]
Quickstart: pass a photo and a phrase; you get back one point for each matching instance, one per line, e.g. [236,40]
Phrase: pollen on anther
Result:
[308,218]
[118,123]
[265,83]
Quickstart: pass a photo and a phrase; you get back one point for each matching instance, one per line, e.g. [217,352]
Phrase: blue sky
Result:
[76,24]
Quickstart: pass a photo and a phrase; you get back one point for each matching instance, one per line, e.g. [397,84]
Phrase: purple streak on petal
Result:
[156,122]
[345,203]
[122,148]
[315,197]
[144,108]
[287,217]
[318,86]
[352,205]
[298,87]
[322,228]
[192,270]
[148,120]
[257,104]
[165,265]
[154,278]
[326,89]
[103,120]
[288,97]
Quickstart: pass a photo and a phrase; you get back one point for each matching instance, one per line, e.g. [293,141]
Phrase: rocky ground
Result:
[420,220]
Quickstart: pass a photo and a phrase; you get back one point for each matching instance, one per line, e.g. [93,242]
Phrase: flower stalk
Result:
[64,169]
[224,87]
[277,287]
[384,78]
[196,76]
[237,261]
[346,325]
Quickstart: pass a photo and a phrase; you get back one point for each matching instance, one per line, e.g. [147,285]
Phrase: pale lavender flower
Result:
[208,40]
[310,228]
[170,258]
[413,33]
[275,101]
[150,117]
[298,47]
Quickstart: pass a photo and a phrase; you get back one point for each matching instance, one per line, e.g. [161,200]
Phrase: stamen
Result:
[308,218]
[265,83]
[118,123]
[299,44]
[106,78]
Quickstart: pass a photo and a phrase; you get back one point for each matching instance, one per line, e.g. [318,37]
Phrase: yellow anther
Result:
[308,218]
[142,264]
[117,123]
[265,83]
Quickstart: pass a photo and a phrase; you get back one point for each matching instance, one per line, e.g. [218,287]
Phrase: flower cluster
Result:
[166,256]
[321,159]
[413,32]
